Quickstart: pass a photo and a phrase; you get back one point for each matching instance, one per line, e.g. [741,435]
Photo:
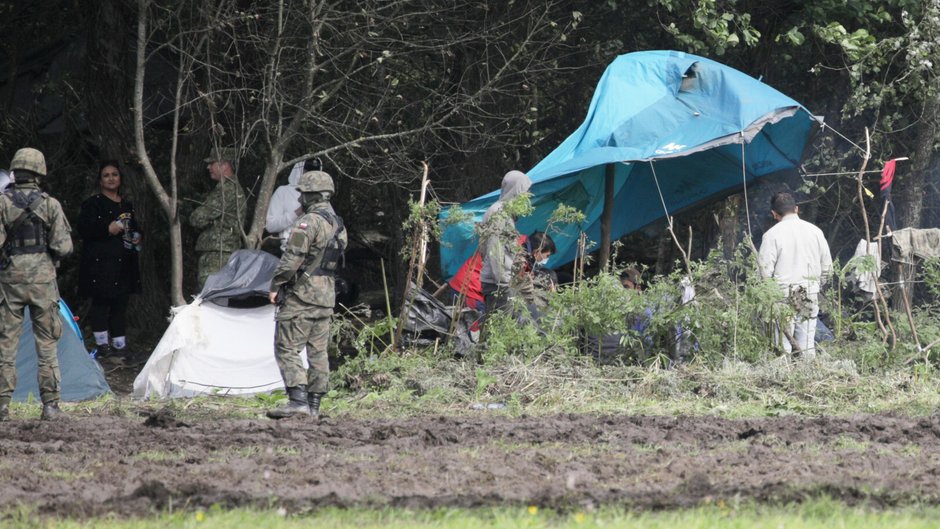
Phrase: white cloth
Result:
[866,280]
[282,211]
[795,253]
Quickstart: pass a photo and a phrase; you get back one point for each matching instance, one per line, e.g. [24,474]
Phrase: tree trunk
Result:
[664,254]
[606,216]
[910,189]
[728,225]
[108,92]
[168,202]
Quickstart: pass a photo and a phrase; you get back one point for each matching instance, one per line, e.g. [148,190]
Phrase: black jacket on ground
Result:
[108,268]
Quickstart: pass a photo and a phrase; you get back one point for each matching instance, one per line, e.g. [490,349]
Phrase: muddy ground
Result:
[93,465]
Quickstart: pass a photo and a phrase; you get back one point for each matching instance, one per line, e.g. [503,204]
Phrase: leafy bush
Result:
[538,360]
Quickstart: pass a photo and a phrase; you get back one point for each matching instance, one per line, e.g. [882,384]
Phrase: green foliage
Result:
[456,215]
[730,316]
[716,27]
[564,214]
[484,381]
[513,333]
[931,276]
[421,214]
[376,337]
[519,206]
[421,221]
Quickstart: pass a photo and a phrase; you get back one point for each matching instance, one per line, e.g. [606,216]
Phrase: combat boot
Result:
[296,404]
[4,412]
[313,400]
[51,411]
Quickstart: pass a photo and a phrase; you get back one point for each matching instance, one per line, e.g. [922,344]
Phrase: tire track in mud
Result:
[93,465]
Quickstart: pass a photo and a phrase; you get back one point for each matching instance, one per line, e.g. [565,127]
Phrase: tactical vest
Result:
[28,233]
[333,253]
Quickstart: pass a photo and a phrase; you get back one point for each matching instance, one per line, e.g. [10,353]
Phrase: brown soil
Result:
[93,465]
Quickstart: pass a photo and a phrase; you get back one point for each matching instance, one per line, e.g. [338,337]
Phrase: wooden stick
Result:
[903,289]
[861,202]
[416,262]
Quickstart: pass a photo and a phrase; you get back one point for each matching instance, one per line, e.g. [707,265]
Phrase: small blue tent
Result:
[684,118]
[81,376]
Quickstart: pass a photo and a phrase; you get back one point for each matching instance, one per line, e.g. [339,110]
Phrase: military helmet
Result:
[222,154]
[315,182]
[29,159]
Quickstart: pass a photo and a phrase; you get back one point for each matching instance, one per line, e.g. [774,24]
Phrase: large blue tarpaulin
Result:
[703,127]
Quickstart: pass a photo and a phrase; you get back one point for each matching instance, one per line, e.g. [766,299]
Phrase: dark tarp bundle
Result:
[247,274]
[428,319]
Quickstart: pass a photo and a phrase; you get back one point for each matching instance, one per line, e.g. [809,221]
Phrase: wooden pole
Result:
[607,214]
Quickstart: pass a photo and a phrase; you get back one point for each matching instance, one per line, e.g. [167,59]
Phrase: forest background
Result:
[474,88]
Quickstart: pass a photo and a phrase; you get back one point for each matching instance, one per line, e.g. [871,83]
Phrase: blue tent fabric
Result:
[682,116]
[82,377]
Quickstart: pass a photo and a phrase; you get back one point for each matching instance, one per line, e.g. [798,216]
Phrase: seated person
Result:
[613,347]
[679,339]
[630,279]
[533,281]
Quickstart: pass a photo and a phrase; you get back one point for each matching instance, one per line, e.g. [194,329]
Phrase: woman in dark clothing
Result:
[109,271]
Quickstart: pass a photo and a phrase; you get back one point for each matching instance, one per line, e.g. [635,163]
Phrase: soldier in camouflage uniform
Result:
[304,288]
[34,234]
[221,216]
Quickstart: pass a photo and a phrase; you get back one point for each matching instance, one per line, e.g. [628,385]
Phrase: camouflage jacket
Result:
[221,217]
[534,284]
[499,249]
[35,267]
[306,244]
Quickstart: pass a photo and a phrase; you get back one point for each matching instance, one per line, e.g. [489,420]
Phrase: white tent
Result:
[213,348]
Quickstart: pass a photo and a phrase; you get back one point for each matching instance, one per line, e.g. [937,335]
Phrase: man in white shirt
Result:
[796,254]
[285,207]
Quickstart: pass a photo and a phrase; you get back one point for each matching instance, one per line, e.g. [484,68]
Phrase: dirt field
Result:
[94,465]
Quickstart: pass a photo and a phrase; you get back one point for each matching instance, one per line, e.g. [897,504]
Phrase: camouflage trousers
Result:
[42,300]
[210,263]
[290,337]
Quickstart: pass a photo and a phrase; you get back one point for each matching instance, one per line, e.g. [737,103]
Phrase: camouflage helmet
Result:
[315,182]
[29,159]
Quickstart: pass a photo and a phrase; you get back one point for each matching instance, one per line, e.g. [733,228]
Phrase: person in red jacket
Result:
[466,282]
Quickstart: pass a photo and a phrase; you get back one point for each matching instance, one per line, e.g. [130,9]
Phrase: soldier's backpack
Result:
[28,233]
[333,253]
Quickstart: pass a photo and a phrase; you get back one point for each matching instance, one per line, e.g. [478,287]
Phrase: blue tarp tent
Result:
[686,118]
[82,377]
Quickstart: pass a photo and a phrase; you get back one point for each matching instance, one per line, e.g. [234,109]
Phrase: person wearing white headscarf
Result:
[499,247]
[285,206]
